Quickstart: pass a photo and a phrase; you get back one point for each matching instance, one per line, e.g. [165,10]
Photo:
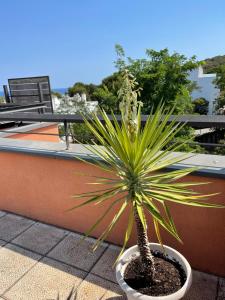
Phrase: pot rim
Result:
[125,287]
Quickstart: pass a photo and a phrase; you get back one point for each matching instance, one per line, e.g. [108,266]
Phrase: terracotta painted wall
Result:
[41,188]
[52,129]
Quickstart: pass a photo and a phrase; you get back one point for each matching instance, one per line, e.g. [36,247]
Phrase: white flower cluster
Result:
[128,94]
[74,105]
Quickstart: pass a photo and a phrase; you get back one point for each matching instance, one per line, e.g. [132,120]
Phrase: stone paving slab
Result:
[204,287]
[2,243]
[45,281]
[2,213]
[76,253]
[95,288]
[115,293]
[104,266]
[221,289]
[12,225]
[25,275]
[14,262]
[40,238]
[92,287]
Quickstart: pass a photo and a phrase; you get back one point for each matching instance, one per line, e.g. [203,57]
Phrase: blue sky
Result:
[74,40]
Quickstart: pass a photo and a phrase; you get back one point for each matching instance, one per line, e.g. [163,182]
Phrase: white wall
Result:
[207,88]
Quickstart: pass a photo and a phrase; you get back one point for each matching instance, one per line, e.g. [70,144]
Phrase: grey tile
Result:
[104,266]
[14,262]
[221,289]
[40,237]
[45,281]
[12,225]
[94,288]
[114,293]
[76,253]
[2,213]
[204,287]
[2,243]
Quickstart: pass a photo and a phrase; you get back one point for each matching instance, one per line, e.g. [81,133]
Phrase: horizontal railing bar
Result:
[28,132]
[196,121]
[74,136]
[206,144]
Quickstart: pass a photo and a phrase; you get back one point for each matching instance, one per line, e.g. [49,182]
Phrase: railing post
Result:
[66,135]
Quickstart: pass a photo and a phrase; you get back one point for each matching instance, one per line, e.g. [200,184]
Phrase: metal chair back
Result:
[31,90]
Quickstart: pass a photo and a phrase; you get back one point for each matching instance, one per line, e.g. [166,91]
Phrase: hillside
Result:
[213,63]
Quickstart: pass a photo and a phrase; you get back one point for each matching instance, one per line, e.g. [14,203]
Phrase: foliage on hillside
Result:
[57,94]
[217,65]
[82,88]
[220,83]
[213,64]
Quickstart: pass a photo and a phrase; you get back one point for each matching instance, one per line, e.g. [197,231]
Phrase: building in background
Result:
[72,105]
[206,88]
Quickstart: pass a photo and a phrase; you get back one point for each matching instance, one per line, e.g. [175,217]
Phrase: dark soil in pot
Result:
[169,277]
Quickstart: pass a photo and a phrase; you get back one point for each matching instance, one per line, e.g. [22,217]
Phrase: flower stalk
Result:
[129,107]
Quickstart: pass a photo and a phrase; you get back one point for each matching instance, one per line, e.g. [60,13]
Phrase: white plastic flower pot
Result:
[133,294]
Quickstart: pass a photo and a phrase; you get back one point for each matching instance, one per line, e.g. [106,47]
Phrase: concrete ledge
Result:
[25,128]
[212,165]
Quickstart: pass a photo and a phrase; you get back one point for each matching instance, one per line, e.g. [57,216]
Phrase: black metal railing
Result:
[195,121]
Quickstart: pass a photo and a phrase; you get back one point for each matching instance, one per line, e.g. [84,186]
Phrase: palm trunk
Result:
[146,256]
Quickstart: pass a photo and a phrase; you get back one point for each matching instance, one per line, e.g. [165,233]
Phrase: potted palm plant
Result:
[134,156]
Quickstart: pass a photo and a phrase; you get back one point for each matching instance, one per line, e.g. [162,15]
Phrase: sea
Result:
[58,90]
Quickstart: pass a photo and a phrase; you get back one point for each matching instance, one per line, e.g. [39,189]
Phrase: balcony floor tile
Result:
[2,213]
[114,293]
[76,253]
[2,243]
[26,275]
[221,289]
[40,238]
[45,281]
[104,267]
[14,263]
[204,287]
[94,287]
[12,225]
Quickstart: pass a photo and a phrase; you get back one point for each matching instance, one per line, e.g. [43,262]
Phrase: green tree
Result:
[184,101]
[57,94]
[82,88]
[106,99]
[107,93]
[220,150]
[162,76]
[201,106]
[220,83]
